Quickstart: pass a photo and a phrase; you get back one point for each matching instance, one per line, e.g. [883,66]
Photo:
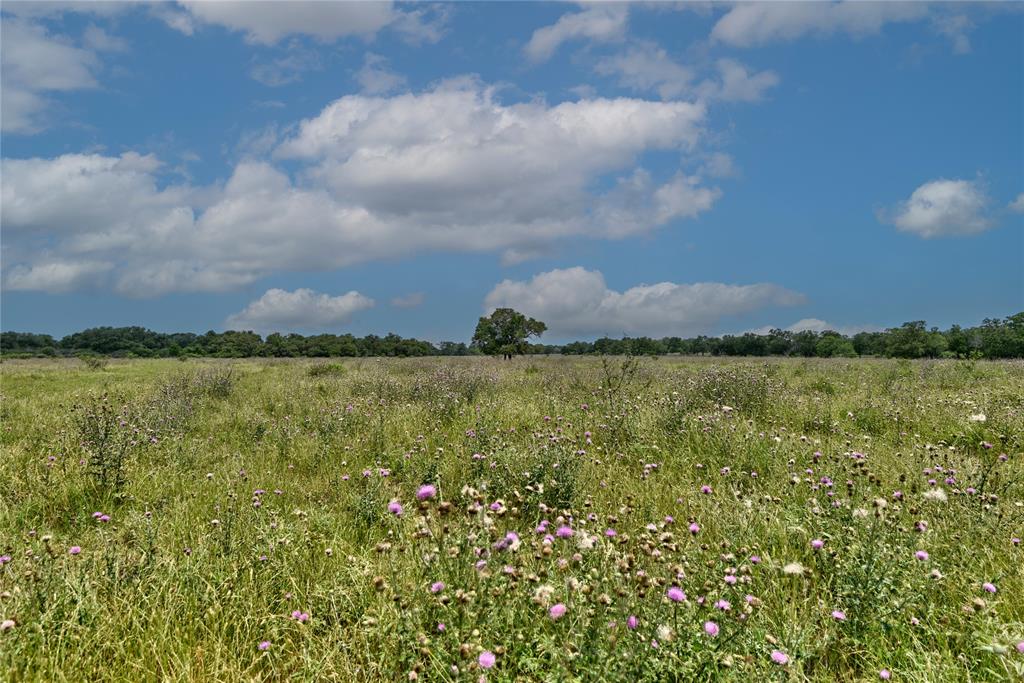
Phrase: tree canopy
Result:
[505,332]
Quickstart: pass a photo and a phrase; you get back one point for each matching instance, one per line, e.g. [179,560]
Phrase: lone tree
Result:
[505,332]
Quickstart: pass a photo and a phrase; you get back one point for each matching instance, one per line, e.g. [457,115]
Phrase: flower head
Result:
[557,611]
[780,658]
[264,646]
[395,508]
[711,628]
[74,550]
[426,492]
[486,659]
[676,594]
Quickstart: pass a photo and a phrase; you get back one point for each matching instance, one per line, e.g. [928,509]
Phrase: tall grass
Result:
[853,516]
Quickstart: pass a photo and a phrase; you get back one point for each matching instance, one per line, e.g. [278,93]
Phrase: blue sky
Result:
[610,169]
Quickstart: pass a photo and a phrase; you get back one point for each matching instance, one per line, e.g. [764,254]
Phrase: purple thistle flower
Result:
[711,628]
[817,544]
[884,674]
[395,508]
[564,532]
[921,555]
[437,587]
[264,646]
[676,594]
[632,622]
[989,587]
[694,528]
[557,611]
[74,550]
[426,492]
[486,659]
[780,658]
[839,615]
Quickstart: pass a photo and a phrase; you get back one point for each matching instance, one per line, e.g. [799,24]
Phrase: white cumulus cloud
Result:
[449,169]
[268,22]
[758,23]
[578,302]
[942,207]
[279,310]
[1017,205]
[35,64]
[602,22]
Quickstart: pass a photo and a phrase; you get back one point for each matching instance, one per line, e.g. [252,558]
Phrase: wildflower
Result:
[839,615]
[301,617]
[705,489]
[611,533]
[665,633]
[817,544]
[486,659]
[564,532]
[884,674]
[730,579]
[780,658]
[723,605]
[711,628]
[437,587]
[988,587]
[793,569]
[921,555]
[755,559]
[1020,647]
[675,594]
[426,492]
[440,626]
[694,528]
[264,646]
[632,622]
[395,508]
[74,550]
[557,611]
[936,494]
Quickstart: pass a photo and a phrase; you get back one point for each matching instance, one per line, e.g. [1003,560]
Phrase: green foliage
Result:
[510,332]
[505,332]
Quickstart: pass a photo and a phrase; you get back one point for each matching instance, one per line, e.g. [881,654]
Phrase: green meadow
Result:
[538,519]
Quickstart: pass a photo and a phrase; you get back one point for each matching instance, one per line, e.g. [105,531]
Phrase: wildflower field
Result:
[540,519]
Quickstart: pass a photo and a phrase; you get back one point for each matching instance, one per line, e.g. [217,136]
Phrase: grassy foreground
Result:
[539,519]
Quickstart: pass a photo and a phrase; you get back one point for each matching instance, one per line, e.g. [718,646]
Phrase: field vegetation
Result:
[540,519]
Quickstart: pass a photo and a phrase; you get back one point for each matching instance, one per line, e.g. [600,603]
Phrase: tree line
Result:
[994,338]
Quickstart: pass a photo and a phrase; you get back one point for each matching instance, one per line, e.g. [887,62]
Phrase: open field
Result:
[672,519]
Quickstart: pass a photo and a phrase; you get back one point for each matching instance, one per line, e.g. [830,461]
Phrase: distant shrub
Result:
[93,362]
[326,370]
